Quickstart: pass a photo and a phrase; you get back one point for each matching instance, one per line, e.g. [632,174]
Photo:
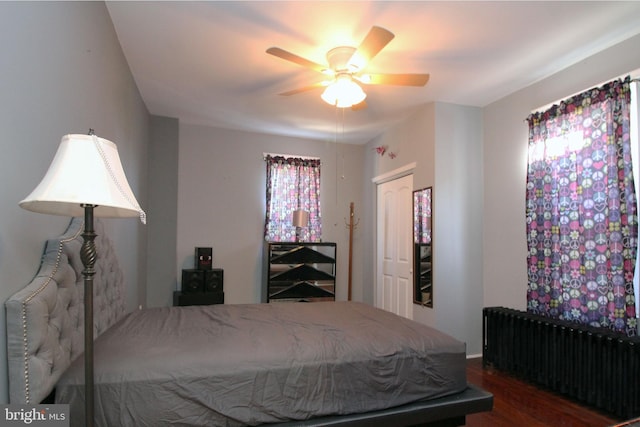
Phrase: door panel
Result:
[395,259]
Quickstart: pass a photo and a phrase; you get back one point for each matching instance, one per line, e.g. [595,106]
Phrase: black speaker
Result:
[213,280]
[204,258]
[192,281]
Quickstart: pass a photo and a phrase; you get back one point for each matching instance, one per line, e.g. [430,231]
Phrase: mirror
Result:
[422,247]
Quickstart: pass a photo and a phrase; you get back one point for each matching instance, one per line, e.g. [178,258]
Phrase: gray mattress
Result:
[228,365]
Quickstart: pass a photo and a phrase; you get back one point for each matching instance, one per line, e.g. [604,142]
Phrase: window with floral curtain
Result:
[581,210]
[292,183]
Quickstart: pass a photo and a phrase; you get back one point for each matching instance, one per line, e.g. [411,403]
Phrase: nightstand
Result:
[197,298]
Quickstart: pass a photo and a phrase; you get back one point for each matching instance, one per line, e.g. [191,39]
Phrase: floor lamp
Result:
[86,179]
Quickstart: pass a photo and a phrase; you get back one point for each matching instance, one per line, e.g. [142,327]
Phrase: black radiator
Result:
[595,366]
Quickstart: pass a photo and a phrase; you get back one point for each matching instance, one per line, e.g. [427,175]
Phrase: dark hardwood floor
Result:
[520,404]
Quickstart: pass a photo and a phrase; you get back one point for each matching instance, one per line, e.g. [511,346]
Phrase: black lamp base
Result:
[88,255]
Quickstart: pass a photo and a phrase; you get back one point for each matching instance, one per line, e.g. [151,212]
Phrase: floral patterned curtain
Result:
[581,210]
[292,183]
[422,216]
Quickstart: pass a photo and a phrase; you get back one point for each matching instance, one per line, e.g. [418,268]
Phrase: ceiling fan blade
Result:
[373,43]
[395,79]
[292,57]
[304,89]
[361,106]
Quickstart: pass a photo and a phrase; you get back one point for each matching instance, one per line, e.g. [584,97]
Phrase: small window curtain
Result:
[292,184]
[581,210]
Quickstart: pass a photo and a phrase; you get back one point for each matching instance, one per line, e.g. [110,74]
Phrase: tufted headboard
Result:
[45,320]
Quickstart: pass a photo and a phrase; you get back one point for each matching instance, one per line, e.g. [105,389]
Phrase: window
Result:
[581,210]
[293,183]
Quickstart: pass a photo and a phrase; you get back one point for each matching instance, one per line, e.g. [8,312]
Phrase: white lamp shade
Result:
[300,218]
[86,170]
[343,93]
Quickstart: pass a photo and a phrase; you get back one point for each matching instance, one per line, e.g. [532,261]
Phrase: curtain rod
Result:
[264,156]
[635,77]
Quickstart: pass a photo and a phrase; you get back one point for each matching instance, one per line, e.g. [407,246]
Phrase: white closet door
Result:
[394,247]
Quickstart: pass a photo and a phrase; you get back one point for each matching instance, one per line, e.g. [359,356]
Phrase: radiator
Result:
[594,366]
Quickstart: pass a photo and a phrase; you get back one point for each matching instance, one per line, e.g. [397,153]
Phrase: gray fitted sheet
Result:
[228,365]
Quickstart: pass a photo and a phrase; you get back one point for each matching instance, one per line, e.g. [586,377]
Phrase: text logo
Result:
[34,415]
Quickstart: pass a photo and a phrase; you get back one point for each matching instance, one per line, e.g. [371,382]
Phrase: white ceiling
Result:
[205,62]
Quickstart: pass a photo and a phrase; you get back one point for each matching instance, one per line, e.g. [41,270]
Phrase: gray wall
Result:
[163,202]
[457,215]
[62,71]
[221,202]
[445,141]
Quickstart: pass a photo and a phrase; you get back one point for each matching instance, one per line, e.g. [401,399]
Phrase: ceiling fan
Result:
[347,67]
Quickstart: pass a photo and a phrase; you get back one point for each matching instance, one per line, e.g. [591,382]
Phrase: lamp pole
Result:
[88,255]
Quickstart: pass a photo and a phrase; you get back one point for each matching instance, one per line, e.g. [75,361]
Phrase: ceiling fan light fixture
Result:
[343,93]
[364,78]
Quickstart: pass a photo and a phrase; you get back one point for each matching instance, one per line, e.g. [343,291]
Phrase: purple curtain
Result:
[581,210]
[292,183]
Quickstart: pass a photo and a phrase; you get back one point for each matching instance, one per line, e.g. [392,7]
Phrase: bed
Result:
[288,364]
